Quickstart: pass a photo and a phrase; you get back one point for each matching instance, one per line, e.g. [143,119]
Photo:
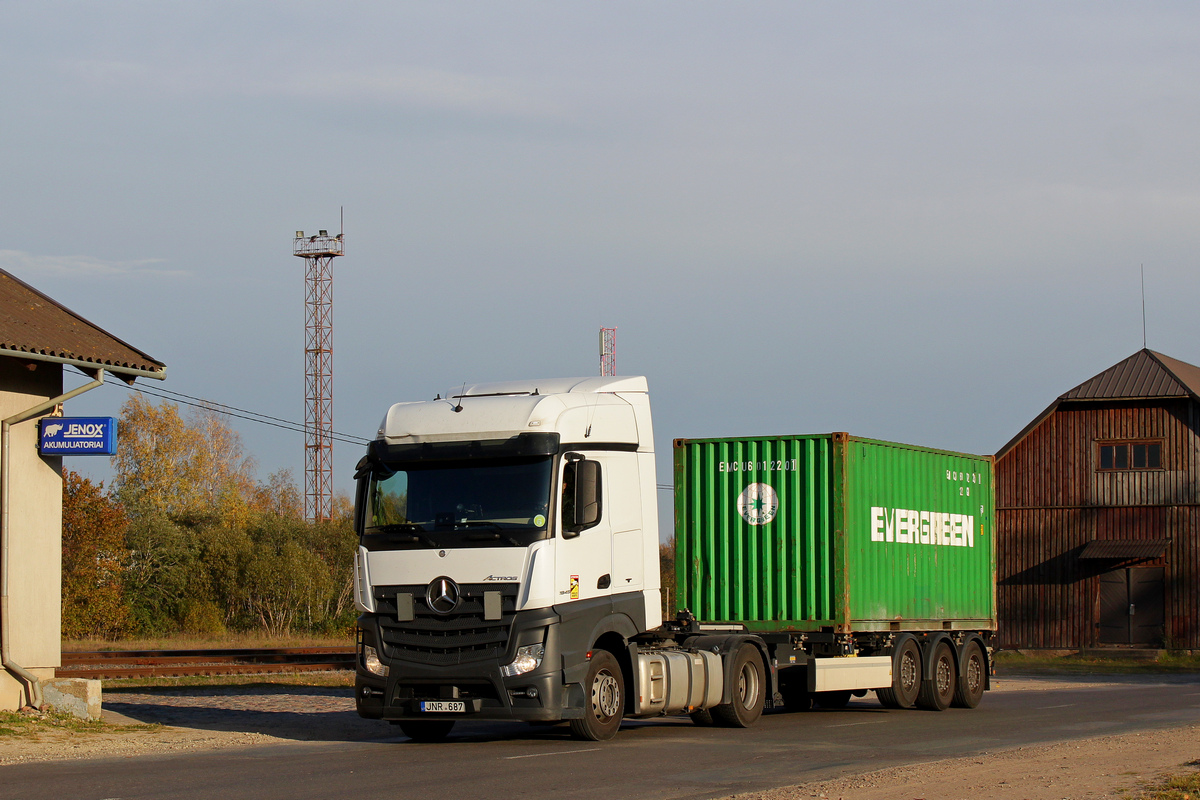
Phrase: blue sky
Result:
[918,221]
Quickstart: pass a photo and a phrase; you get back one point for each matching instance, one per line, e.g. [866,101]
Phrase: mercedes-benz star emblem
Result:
[442,595]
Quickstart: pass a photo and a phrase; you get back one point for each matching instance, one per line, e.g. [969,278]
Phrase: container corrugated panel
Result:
[833,532]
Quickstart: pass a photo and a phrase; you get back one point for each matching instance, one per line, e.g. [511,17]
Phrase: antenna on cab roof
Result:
[458,407]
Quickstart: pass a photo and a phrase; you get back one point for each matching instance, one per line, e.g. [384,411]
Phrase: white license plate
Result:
[443,706]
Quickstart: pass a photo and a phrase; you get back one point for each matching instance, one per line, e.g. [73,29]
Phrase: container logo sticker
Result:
[923,527]
[758,503]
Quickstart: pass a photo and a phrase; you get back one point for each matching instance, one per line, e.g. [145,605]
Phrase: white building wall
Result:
[35,530]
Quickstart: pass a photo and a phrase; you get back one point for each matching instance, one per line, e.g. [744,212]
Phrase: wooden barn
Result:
[1099,514]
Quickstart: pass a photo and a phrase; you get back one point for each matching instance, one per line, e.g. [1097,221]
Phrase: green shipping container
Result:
[833,532]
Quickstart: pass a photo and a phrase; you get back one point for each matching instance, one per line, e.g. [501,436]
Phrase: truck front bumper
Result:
[471,689]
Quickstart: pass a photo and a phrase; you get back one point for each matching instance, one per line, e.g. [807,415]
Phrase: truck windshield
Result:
[492,503]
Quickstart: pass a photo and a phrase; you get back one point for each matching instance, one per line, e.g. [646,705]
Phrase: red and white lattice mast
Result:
[318,253]
[608,351]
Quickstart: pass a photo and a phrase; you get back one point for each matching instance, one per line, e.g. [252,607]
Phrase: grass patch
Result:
[1175,787]
[1014,663]
[251,641]
[31,726]
[338,678]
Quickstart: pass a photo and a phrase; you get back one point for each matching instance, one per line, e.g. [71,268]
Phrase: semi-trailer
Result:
[508,567]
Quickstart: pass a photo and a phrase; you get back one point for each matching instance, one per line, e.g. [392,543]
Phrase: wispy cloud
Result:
[20,263]
[410,86]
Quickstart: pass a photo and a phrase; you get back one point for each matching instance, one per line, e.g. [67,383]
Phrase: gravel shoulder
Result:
[165,721]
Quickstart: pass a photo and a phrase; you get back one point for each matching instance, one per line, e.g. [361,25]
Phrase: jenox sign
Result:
[78,436]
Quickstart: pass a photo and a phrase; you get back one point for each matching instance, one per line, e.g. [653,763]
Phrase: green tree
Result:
[335,543]
[287,583]
[93,561]
[161,573]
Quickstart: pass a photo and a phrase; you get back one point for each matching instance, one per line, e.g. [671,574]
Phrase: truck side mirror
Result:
[582,500]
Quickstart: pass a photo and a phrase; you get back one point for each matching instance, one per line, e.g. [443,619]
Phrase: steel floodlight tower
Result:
[608,351]
[318,253]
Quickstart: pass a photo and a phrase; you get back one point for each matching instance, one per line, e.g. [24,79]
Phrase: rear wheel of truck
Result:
[906,677]
[427,730]
[969,691]
[748,691]
[605,704]
[937,693]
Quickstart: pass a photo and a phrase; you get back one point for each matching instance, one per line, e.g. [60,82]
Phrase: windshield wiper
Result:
[392,527]
[479,537]
[403,532]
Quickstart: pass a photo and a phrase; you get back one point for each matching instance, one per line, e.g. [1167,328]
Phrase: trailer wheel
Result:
[605,703]
[748,691]
[426,730]
[969,691]
[906,677]
[936,694]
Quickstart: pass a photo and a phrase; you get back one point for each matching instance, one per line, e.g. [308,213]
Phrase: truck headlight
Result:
[373,664]
[528,659]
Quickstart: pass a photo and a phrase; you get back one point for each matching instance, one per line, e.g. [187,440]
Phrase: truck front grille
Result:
[458,637]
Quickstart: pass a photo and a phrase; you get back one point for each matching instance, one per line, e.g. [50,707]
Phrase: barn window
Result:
[1131,455]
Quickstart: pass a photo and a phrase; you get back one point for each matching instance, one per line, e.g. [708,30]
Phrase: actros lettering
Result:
[906,526]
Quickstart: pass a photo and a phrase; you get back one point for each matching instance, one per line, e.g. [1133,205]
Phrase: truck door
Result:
[583,560]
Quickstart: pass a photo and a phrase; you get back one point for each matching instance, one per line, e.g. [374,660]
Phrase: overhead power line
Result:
[234,411]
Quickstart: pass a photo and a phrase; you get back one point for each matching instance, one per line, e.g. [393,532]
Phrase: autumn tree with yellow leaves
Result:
[190,542]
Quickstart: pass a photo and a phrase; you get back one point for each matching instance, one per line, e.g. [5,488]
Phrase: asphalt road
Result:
[668,758]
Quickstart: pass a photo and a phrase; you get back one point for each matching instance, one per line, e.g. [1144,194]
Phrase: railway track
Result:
[174,663]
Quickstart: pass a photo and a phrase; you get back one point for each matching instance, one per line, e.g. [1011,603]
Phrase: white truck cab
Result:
[507,533]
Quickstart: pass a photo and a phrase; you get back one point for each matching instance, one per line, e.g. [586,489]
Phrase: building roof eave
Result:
[125,372]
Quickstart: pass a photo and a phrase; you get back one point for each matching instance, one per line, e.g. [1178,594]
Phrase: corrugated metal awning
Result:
[1125,549]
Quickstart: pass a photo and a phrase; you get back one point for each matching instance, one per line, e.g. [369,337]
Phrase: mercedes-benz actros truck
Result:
[508,567]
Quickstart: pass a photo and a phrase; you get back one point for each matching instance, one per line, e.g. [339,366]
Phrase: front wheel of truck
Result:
[605,704]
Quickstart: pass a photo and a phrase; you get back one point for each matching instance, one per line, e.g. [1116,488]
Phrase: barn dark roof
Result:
[1145,375]
[34,326]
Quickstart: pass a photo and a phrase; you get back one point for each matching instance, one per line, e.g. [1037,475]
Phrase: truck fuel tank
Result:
[676,681]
